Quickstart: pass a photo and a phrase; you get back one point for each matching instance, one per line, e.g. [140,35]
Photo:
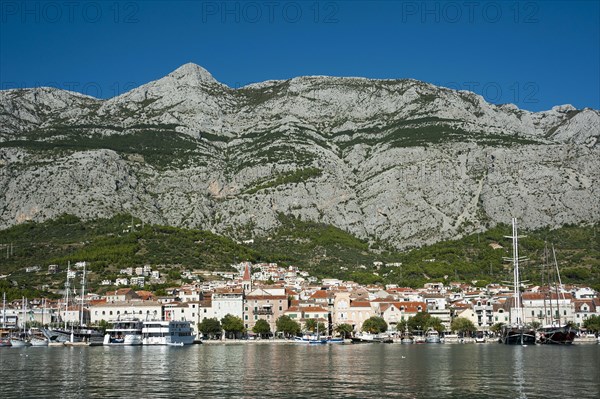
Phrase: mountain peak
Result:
[192,74]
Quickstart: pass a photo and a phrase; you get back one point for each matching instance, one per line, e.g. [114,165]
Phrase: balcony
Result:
[264,312]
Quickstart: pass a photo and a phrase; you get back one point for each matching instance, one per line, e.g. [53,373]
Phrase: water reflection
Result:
[259,370]
[518,372]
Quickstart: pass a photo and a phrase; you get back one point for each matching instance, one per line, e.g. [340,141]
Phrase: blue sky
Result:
[535,54]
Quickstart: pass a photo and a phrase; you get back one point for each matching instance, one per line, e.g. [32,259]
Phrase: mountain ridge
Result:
[401,161]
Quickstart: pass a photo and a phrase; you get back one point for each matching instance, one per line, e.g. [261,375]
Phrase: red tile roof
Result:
[360,304]
[320,294]
[311,309]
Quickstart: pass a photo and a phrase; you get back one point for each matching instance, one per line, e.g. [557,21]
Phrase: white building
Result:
[111,311]
[225,302]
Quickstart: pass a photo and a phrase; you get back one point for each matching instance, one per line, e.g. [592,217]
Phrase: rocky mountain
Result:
[395,160]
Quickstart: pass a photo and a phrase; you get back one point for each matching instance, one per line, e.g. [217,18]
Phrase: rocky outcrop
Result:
[401,161]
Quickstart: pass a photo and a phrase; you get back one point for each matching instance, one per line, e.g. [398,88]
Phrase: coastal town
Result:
[264,294]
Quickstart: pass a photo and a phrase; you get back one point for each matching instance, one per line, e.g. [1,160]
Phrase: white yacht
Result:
[124,332]
[432,336]
[165,332]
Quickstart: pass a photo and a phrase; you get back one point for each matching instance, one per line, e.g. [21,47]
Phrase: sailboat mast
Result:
[23,311]
[559,285]
[516,276]
[516,288]
[4,310]
[544,272]
[82,295]
[67,285]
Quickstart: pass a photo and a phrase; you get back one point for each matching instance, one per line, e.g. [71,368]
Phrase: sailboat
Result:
[516,333]
[4,333]
[81,334]
[555,333]
[314,339]
[20,340]
[37,337]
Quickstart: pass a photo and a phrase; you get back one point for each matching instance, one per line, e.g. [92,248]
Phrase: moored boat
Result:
[432,336]
[516,333]
[37,338]
[5,338]
[124,332]
[557,335]
[82,335]
[311,340]
[363,338]
[165,332]
[17,342]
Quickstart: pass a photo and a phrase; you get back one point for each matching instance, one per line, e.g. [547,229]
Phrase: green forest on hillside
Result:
[323,250]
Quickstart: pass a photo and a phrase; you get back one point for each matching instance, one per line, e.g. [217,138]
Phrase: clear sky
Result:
[535,54]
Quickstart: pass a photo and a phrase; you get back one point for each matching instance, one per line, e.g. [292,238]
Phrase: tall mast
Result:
[543,288]
[82,295]
[67,285]
[559,285]
[517,290]
[23,310]
[4,310]
[516,277]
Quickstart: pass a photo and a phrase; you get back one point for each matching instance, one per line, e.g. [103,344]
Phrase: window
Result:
[280,308]
[246,318]
[103,313]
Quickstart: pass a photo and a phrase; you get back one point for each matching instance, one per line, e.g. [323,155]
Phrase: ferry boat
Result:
[165,332]
[124,332]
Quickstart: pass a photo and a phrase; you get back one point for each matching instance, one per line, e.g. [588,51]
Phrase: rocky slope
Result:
[396,160]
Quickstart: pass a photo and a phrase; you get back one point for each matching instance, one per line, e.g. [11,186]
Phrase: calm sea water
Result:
[293,370]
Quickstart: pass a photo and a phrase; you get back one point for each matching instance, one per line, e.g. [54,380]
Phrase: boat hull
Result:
[39,342]
[83,335]
[127,340]
[19,343]
[517,336]
[556,335]
[163,332]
